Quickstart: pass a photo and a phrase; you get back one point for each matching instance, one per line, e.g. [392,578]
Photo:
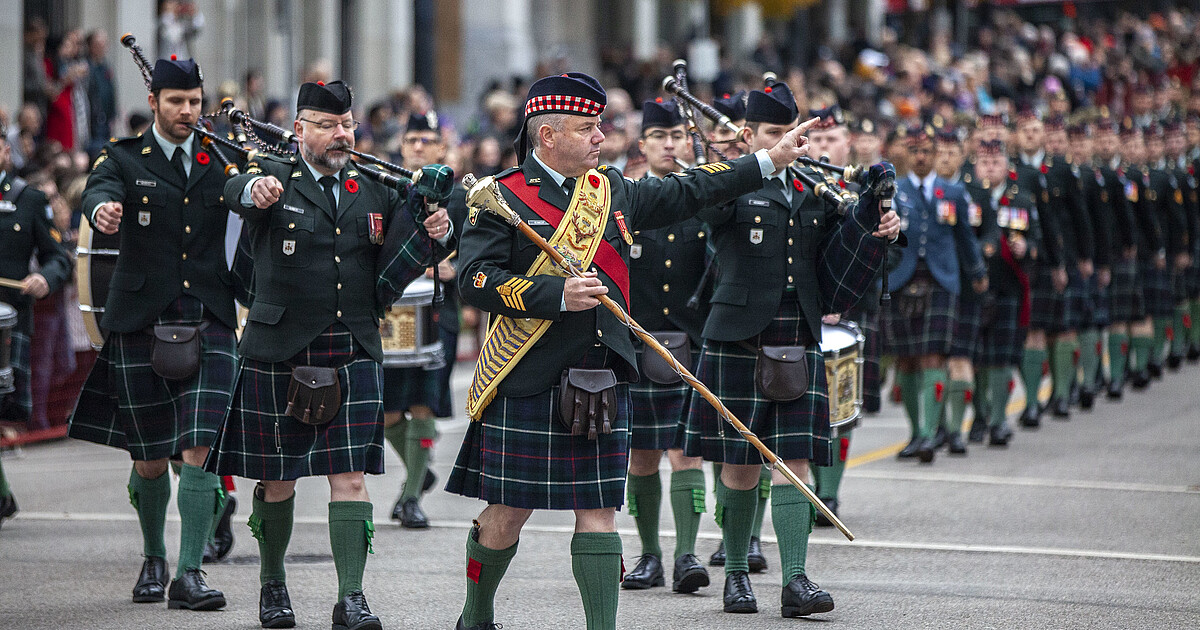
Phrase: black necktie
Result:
[569,186]
[328,182]
[921,190]
[177,162]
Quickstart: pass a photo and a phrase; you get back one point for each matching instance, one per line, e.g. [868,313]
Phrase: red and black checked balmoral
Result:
[563,104]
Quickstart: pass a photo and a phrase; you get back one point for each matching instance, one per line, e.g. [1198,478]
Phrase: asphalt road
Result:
[1092,523]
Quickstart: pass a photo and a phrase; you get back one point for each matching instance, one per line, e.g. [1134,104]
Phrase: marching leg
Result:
[792,515]
[754,555]
[687,504]
[596,563]
[149,497]
[271,524]
[645,504]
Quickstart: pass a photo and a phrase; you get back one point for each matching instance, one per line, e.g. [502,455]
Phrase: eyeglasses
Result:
[420,140]
[677,136]
[326,127]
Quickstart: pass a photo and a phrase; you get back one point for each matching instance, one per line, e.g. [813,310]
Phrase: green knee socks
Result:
[645,505]
[4,489]
[485,569]
[760,510]
[197,501]
[1089,356]
[418,443]
[736,524]
[687,504]
[1179,336]
[351,529]
[998,395]
[1118,356]
[150,497]
[1160,338]
[1063,372]
[395,435]
[933,383]
[827,479]
[793,516]
[1140,351]
[596,563]
[957,393]
[1194,314]
[1031,374]
[910,385]
[271,524]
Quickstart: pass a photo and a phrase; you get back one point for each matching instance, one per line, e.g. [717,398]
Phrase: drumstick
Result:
[12,284]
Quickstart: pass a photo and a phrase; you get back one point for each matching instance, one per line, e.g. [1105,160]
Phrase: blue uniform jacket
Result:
[938,232]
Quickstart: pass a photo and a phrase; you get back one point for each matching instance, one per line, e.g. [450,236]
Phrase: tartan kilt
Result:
[1193,277]
[18,406]
[1099,316]
[1052,311]
[1001,336]
[656,416]
[792,430]
[405,387]
[930,332]
[1125,300]
[124,404]
[259,440]
[966,324]
[1179,281]
[1157,290]
[519,454]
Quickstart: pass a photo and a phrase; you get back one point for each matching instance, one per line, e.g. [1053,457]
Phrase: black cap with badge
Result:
[175,74]
[423,122]
[774,105]
[733,106]
[660,113]
[329,98]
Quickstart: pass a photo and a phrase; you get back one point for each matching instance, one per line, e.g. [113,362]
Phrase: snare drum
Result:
[8,321]
[409,333]
[93,271]
[842,346]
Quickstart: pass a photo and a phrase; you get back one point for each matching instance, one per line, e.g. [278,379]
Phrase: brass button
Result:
[791,222]
[221,198]
[145,200]
[789,241]
[174,336]
[666,287]
[187,229]
[339,286]
[670,238]
[291,226]
[814,221]
[757,219]
[337,231]
[185,255]
[339,313]
[599,333]
[16,227]
[789,279]
[789,260]
[699,234]
[186,201]
[667,262]
[666,311]
[187,285]
[337,259]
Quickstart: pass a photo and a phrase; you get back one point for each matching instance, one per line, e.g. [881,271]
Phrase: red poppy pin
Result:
[797,185]
[1012,175]
[351,186]
[939,193]
[1004,201]
[1045,169]
[594,181]
[202,157]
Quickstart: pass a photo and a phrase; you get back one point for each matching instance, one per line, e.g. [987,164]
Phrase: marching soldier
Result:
[731,146]
[164,376]
[25,231]
[1164,199]
[1122,298]
[920,322]
[785,259]
[1186,202]
[659,299]
[414,397]
[1193,273]
[1151,256]
[331,249]
[1009,241]
[1093,193]
[548,339]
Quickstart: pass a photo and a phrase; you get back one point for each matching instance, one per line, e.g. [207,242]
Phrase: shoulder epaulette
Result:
[508,171]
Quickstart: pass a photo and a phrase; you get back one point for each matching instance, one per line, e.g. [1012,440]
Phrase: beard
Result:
[323,159]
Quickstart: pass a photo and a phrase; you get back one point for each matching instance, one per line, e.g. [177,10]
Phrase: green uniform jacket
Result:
[765,243]
[493,253]
[172,232]
[25,228]
[315,265]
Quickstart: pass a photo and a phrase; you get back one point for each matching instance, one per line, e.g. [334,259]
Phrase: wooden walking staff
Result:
[485,195]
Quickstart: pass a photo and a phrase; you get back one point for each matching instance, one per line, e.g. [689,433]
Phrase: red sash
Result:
[607,258]
[1022,278]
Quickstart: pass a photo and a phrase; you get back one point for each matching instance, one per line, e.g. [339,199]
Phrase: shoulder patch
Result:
[99,161]
[146,150]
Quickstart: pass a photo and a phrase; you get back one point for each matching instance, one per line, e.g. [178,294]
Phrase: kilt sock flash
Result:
[150,497]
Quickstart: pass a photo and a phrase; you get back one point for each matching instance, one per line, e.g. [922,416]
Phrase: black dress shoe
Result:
[152,583]
[717,559]
[352,613]
[1140,380]
[755,557]
[190,592]
[739,597]
[978,431]
[1073,395]
[689,575]
[648,573]
[909,451]
[222,542]
[487,625]
[1193,353]
[1060,409]
[8,506]
[955,444]
[801,597]
[1087,398]
[1174,361]
[1030,418]
[1155,369]
[1000,435]
[822,521]
[275,607]
[1116,390]
[925,451]
[412,516]
[939,438]
[429,481]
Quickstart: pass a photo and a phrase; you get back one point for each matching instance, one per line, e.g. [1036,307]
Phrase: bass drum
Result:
[8,321]
[409,332]
[97,259]
[842,346]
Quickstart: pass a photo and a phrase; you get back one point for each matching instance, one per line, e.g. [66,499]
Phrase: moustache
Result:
[340,145]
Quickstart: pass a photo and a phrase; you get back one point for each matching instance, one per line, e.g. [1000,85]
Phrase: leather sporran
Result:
[314,394]
[587,403]
[781,372]
[913,299]
[656,368]
[175,354]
